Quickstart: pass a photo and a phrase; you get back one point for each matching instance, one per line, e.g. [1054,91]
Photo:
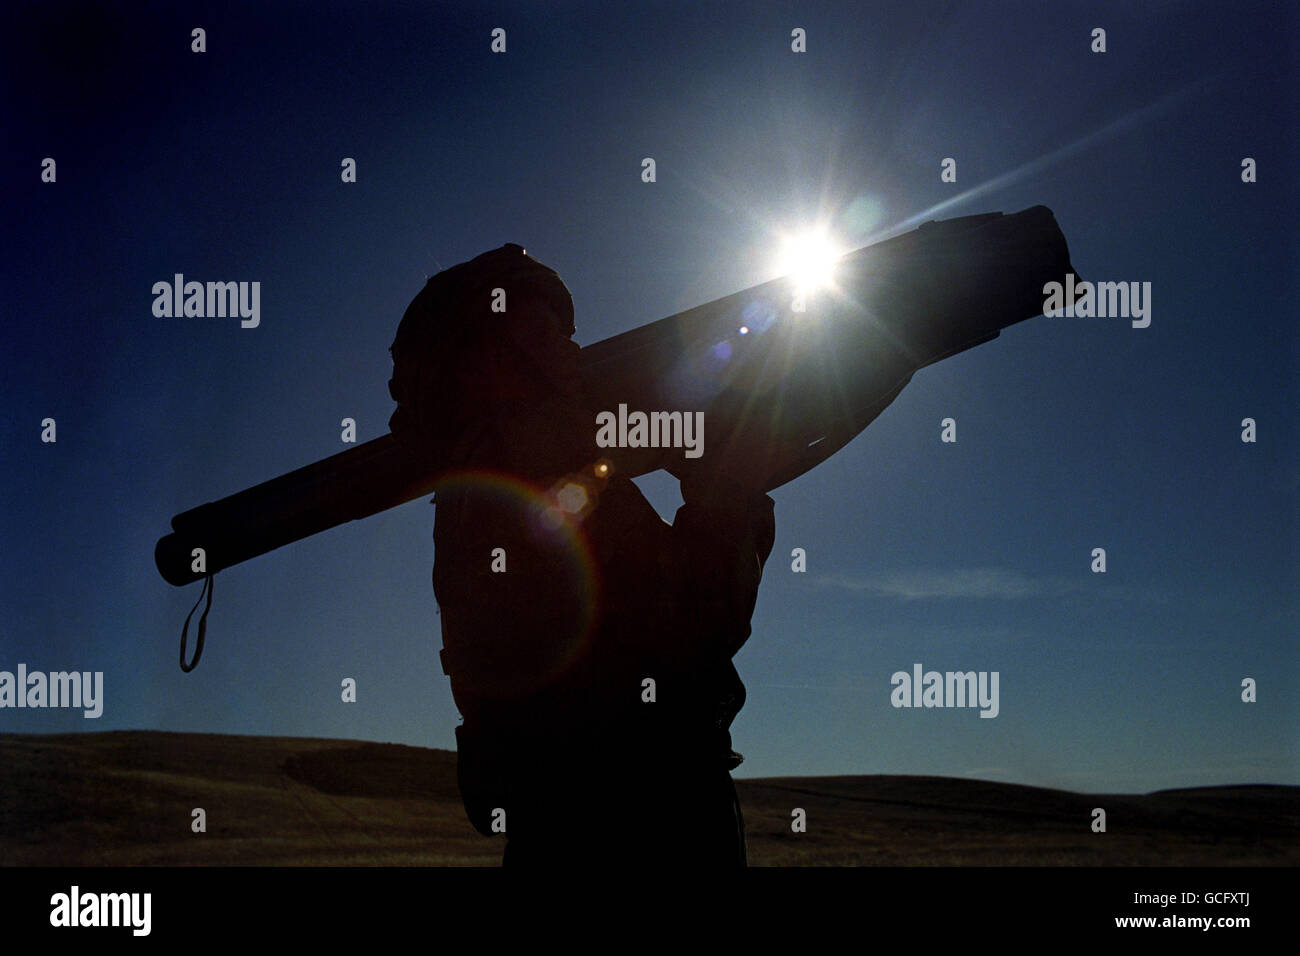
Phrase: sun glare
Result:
[809,259]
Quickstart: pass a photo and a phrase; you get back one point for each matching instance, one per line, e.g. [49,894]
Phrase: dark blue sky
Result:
[1072,433]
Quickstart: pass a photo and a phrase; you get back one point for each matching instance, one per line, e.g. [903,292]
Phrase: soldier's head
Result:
[481,337]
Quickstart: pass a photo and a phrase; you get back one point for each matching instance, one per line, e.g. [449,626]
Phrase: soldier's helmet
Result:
[447,320]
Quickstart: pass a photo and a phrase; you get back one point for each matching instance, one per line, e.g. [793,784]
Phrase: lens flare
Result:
[572,498]
[557,541]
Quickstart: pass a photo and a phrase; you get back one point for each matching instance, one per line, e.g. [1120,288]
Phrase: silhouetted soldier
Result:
[588,642]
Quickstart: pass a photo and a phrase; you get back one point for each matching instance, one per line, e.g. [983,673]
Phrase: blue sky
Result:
[1072,433]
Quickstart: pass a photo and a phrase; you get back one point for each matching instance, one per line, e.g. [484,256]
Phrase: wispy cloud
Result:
[997,583]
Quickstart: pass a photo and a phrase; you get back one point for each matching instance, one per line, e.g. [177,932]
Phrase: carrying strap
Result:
[203,625]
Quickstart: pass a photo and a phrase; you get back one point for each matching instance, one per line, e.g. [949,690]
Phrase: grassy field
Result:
[126,799]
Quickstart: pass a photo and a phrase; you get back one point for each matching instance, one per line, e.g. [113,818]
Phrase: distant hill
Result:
[125,799]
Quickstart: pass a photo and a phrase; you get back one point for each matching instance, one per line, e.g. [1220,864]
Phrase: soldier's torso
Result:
[568,635]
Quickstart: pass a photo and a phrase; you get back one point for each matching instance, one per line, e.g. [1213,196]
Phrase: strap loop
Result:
[203,625]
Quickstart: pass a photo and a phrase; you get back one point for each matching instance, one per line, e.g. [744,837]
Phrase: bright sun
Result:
[809,259]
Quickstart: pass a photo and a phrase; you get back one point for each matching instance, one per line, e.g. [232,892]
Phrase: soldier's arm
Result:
[723,535]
